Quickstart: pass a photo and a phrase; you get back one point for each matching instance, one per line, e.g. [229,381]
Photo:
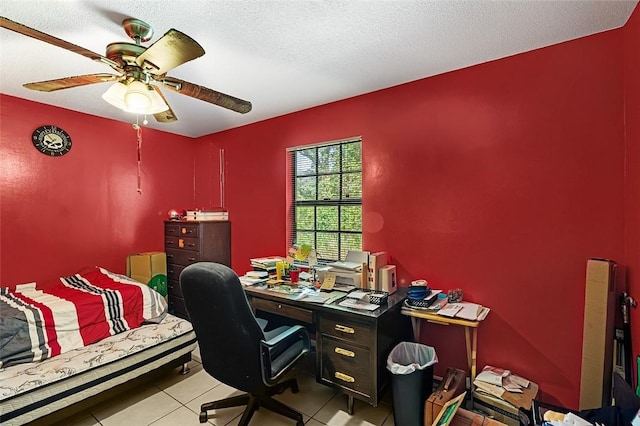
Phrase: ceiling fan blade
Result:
[167,116]
[69,82]
[39,35]
[172,49]
[206,94]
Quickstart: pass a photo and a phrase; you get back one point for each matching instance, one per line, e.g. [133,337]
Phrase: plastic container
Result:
[411,367]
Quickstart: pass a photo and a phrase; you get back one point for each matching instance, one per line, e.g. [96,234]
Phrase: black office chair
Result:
[233,346]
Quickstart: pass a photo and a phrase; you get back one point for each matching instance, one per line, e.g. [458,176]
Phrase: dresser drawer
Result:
[188,230]
[177,307]
[347,330]
[171,229]
[182,243]
[346,365]
[283,309]
[173,288]
[182,257]
[173,271]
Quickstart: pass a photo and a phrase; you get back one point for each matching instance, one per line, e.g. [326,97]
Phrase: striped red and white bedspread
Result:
[41,320]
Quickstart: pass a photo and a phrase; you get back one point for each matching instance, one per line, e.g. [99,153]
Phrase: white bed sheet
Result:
[30,391]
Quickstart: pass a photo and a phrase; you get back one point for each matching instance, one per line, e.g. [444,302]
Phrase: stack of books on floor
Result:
[210,215]
[267,264]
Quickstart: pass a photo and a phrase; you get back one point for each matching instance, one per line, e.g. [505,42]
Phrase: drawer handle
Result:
[345,352]
[170,256]
[170,243]
[344,377]
[344,329]
[191,245]
[192,259]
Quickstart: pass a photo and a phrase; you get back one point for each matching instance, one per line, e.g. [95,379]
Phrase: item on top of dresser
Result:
[422,283]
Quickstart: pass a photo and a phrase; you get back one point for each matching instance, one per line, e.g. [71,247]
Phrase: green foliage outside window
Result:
[327,188]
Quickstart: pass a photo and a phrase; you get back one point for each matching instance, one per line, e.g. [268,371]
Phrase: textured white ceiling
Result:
[286,55]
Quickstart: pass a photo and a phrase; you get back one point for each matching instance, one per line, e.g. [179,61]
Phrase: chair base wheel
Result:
[203,417]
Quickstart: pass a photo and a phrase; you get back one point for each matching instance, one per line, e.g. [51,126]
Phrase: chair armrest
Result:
[281,352]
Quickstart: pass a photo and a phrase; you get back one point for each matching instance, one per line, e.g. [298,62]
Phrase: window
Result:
[326,192]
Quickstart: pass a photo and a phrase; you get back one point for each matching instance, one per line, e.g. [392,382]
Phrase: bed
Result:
[55,349]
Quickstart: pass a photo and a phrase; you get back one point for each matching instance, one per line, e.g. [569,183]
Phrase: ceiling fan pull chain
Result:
[139,135]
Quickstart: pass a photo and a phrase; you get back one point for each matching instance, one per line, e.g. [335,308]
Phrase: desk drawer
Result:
[182,257]
[346,365]
[283,309]
[182,243]
[347,330]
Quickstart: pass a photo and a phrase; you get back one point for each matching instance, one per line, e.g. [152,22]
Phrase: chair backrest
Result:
[227,331]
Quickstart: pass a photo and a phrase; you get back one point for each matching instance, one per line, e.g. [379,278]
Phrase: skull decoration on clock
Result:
[51,140]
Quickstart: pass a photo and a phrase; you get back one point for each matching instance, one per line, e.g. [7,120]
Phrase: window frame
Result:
[340,202]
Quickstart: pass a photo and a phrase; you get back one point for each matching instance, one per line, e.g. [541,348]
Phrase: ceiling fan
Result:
[141,70]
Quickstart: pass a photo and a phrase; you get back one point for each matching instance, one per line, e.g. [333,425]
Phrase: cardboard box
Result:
[149,268]
[503,411]
[597,346]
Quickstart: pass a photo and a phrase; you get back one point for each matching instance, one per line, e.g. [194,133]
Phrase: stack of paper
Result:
[248,280]
[267,263]
[498,382]
[465,310]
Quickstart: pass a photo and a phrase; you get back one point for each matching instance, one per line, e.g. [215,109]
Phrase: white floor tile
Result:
[335,413]
[217,417]
[311,397]
[142,406]
[264,417]
[186,387]
[182,417]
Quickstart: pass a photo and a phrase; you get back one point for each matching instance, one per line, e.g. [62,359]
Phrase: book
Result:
[376,261]
[267,263]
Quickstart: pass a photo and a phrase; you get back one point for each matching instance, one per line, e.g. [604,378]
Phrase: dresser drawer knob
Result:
[344,377]
[192,259]
[345,352]
[344,329]
[279,306]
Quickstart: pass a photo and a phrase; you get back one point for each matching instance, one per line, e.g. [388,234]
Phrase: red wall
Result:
[501,179]
[631,42]
[60,214]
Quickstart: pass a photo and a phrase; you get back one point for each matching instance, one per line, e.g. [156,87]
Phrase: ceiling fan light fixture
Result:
[115,95]
[137,97]
[120,96]
[157,103]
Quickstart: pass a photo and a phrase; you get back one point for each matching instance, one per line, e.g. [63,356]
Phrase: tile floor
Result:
[174,399]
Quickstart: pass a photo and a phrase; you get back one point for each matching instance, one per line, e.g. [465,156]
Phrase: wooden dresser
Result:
[190,242]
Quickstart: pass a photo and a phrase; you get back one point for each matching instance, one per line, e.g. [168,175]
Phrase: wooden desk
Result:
[470,332]
[352,346]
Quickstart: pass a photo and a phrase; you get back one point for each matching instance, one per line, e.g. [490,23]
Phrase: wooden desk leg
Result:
[467,338]
[472,353]
[415,324]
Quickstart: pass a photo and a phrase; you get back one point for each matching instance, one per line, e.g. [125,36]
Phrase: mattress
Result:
[29,391]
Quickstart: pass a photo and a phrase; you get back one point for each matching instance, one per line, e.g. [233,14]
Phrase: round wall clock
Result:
[51,140]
